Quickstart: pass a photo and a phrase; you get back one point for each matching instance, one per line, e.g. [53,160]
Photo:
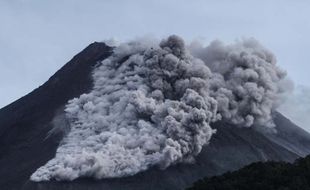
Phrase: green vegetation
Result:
[262,176]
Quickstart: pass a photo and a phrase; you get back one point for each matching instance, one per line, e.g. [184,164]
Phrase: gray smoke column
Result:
[152,104]
[246,82]
[149,107]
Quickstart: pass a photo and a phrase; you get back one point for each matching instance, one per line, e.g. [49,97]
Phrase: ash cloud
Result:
[153,102]
[149,106]
[246,83]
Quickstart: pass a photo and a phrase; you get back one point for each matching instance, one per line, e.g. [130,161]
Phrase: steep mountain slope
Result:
[26,143]
[25,123]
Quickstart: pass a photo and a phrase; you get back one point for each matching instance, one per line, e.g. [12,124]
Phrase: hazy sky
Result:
[37,37]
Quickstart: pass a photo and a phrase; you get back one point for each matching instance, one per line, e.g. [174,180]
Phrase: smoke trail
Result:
[152,104]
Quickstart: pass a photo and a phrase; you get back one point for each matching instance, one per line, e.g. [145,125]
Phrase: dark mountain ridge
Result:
[26,123]
[269,176]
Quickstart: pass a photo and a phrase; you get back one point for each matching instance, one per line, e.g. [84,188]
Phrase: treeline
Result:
[262,176]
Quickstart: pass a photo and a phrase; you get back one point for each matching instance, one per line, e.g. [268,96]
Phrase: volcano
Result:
[29,138]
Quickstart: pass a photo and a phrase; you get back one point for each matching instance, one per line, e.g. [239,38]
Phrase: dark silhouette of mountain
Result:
[25,123]
[268,176]
[26,142]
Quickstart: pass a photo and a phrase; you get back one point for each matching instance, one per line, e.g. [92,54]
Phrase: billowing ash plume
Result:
[149,106]
[152,105]
[246,82]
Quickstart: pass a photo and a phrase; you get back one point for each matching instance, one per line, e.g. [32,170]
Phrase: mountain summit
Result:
[34,127]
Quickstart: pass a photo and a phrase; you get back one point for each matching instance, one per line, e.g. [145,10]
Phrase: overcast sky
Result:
[37,37]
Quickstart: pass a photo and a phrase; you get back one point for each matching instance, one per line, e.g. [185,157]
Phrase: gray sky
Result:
[37,37]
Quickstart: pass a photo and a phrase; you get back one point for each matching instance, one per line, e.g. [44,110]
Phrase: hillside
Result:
[256,176]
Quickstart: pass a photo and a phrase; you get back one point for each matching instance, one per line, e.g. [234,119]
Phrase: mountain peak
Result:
[25,123]
[25,126]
